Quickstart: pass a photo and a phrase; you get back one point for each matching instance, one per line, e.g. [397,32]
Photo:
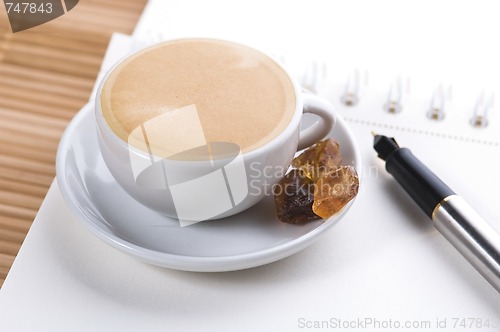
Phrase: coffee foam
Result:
[238,96]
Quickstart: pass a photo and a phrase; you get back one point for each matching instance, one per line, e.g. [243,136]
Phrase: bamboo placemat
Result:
[46,76]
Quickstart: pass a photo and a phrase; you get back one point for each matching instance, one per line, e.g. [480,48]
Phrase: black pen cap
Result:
[426,189]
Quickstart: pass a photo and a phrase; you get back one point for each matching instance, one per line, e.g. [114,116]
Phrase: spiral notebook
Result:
[446,116]
[452,127]
[388,252]
[386,241]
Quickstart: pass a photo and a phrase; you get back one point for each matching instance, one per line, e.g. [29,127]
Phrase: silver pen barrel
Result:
[471,235]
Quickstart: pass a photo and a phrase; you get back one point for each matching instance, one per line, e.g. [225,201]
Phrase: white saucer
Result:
[252,238]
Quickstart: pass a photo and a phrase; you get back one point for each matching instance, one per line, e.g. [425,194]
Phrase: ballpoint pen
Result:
[452,216]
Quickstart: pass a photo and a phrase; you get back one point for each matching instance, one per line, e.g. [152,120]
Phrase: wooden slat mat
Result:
[46,76]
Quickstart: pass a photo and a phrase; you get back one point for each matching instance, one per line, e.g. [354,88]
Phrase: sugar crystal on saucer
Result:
[334,190]
[320,159]
[293,197]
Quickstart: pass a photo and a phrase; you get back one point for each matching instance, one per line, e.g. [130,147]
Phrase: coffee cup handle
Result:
[317,131]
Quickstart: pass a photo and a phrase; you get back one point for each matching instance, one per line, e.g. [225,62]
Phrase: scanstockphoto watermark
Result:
[258,170]
[363,323]
[370,323]
[25,15]
[260,180]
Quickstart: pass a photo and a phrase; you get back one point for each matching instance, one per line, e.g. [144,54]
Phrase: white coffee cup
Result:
[208,188]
